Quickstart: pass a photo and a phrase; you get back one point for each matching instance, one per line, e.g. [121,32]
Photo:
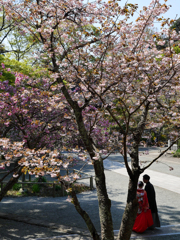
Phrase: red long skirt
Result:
[143,221]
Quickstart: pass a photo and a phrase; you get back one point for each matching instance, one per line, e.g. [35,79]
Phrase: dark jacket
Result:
[151,197]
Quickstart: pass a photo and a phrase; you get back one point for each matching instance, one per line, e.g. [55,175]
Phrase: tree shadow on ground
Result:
[57,210]
[52,210]
[169,215]
[15,230]
[62,213]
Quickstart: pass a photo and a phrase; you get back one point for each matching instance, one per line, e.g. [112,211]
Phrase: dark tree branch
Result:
[161,154]
[85,216]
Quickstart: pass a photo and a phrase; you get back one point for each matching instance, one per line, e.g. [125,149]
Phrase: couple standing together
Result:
[147,215]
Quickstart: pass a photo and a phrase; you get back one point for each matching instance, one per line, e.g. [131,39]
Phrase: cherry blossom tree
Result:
[39,119]
[30,116]
[104,66]
[6,27]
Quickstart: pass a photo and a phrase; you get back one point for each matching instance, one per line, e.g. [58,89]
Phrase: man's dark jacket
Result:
[151,197]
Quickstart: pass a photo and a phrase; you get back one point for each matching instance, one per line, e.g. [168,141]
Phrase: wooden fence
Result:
[52,183]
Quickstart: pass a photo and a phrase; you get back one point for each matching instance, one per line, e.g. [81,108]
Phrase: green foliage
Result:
[57,187]
[177,153]
[24,68]
[176,25]
[21,67]
[153,137]
[19,193]
[2,49]
[16,186]
[44,179]
[91,30]
[176,49]
[159,59]
[36,188]
[21,45]
[44,190]
[6,74]
[12,66]
[163,137]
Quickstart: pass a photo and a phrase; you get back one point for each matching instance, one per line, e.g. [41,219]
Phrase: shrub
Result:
[44,179]
[36,188]
[57,187]
[177,153]
[16,186]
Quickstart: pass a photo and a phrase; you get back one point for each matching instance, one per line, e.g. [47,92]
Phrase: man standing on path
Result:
[152,201]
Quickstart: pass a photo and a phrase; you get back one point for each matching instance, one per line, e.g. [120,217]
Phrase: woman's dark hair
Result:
[140,184]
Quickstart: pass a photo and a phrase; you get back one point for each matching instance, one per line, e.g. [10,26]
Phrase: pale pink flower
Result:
[15,175]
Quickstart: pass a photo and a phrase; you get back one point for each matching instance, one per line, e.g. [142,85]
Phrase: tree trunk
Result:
[104,202]
[130,212]
[10,184]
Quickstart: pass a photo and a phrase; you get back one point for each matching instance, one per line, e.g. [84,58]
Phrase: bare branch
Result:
[161,154]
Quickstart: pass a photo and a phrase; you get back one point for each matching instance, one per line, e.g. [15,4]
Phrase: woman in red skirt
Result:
[144,217]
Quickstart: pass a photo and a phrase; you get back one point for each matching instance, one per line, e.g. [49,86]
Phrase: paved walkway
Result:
[57,232]
[170,232]
[162,180]
[165,231]
[55,218]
